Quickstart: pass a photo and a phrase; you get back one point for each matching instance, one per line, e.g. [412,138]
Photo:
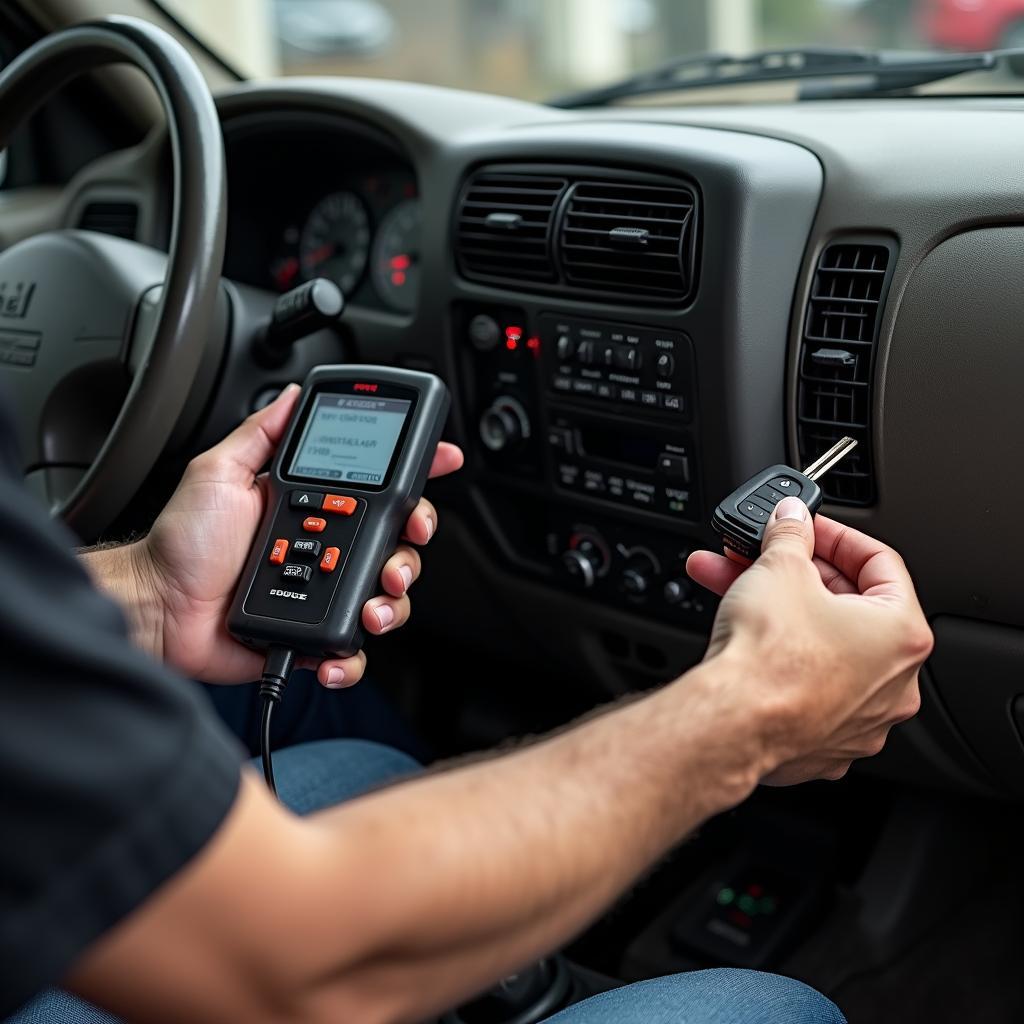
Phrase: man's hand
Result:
[184,573]
[826,636]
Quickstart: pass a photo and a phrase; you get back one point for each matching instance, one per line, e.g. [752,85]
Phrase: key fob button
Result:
[330,560]
[306,548]
[279,552]
[314,524]
[787,486]
[768,495]
[294,572]
[305,499]
[755,513]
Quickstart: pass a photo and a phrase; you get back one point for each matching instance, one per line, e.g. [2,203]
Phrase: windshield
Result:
[536,49]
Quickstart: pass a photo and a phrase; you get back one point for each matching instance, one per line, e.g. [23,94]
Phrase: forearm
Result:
[472,873]
[119,572]
[404,902]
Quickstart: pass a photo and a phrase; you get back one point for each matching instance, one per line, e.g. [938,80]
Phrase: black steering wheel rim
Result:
[161,386]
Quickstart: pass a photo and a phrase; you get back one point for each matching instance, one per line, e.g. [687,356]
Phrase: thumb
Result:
[790,526]
[253,442]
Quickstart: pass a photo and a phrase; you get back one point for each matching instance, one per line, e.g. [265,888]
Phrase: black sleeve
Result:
[113,772]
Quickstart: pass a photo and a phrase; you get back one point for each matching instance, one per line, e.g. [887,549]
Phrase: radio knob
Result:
[504,425]
[638,574]
[677,591]
[484,332]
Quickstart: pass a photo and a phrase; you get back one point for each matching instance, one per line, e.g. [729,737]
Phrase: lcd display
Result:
[350,438]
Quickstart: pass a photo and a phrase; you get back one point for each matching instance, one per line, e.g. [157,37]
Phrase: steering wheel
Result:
[102,339]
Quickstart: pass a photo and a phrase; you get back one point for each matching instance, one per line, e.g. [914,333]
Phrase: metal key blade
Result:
[817,469]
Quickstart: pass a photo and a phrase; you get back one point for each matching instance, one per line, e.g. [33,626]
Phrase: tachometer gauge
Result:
[396,257]
[335,241]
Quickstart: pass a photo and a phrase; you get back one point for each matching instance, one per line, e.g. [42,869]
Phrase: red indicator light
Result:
[513,333]
[364,387]
[533,344]
[511,344]
[400,262]
[398,277]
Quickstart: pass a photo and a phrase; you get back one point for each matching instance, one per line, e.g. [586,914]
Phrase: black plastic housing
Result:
[739,532]
[326,621]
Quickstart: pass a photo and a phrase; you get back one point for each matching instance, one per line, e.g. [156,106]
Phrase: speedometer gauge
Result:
[335,241]
[396,257]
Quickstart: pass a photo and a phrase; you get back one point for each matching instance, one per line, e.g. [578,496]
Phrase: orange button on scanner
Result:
[330,560]
[279,552]
[314,524]
[339,504]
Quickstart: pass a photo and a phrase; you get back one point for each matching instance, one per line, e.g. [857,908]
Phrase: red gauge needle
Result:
[311,259]
[285,273]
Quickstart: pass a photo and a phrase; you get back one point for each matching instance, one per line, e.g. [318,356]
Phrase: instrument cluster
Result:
[309,205]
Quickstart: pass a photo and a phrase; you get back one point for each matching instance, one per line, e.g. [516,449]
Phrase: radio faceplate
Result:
[628,366]
[631,462]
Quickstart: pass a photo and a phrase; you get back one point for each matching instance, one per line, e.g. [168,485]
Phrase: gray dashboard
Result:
[937,181]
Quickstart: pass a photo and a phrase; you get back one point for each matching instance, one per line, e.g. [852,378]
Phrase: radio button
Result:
[629,395]
[565,347]
[675,466]
[651,398]
[583,387]
[607,355]
[665,365]
[339,504]
[629,358]
[585,353]
[305,499]
[560,438]
[605,391]
[294,572]
[563,384]
[673,402]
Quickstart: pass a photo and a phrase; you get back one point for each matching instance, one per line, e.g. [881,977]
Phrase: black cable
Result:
[276,669]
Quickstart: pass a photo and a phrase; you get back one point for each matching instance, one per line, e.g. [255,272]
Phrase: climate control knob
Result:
[586,559]
[638,574]
[677,591]
[504,425]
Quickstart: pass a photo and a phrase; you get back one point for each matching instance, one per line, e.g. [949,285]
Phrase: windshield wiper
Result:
[880,71]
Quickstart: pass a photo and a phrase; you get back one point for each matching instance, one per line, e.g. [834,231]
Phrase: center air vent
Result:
[837,363]
[628,239]
[580,230]
[505,226]
[110,218]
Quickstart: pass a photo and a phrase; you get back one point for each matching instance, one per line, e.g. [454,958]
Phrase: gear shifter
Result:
[528,997]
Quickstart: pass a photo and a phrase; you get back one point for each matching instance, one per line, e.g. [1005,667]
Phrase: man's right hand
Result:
[826,637]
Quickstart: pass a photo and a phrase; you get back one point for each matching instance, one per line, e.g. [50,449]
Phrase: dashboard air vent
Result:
[837,362]
[630,239]
[504,226]
[110,218]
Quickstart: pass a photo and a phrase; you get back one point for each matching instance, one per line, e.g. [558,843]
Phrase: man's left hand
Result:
[184,573]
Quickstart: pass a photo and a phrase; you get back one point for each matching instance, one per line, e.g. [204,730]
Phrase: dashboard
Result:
[634,310]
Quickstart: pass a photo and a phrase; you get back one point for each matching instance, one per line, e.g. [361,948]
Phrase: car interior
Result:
[638,298]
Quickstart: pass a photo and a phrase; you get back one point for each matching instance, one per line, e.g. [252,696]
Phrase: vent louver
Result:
[110,218]
[837,362]
[630,239]
[504,229]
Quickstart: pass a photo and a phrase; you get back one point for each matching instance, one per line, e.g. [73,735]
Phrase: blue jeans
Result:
[316,775]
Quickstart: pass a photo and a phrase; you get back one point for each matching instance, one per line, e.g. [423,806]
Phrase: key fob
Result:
[742,517]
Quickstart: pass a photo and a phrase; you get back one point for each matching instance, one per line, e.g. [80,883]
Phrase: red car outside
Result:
[971,24]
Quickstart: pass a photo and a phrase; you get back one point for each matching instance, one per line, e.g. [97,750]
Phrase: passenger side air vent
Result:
[109,218]
[629,239]
[837,363]
[504,226]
